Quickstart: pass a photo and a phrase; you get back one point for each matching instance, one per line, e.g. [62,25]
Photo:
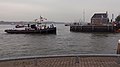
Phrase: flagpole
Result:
[40,18]
[83,15]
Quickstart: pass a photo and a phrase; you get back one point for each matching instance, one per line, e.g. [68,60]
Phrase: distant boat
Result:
[67,24]
[19,26]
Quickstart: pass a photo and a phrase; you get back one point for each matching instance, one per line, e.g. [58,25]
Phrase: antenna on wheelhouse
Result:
[40,19]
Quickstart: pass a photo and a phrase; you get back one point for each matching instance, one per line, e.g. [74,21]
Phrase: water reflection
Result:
[102,42]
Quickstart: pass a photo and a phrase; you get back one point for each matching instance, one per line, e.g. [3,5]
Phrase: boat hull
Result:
[41,31]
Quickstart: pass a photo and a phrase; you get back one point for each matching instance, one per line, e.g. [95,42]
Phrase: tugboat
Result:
[34,28]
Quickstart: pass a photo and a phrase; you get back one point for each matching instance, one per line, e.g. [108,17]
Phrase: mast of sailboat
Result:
[112,17]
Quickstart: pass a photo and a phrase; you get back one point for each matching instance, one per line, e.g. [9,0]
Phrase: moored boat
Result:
[33,29]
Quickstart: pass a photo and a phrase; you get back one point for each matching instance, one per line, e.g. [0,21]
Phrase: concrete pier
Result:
[64,61]
[92,28]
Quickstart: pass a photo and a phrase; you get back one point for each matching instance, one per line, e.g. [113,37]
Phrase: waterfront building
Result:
[100,19]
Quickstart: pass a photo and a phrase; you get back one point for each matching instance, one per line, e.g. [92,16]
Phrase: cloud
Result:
[20,10]
[58,10]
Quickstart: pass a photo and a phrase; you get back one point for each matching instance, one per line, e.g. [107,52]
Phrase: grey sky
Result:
[55,10]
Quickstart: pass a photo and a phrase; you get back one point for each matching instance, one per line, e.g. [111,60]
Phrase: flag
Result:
[42,19]
[35,20]
[45,18]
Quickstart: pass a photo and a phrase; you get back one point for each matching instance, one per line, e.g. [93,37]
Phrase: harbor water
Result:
[64,42]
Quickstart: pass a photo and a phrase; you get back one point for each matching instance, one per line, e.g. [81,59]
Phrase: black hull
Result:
[41,31]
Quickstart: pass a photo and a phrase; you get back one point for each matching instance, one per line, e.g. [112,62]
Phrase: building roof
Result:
[100,15]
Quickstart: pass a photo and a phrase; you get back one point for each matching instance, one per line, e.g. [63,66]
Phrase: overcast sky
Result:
[56,10]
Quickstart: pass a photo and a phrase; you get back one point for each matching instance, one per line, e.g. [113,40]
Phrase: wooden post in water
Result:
[118,47]
[81,28]
[108,27]
[92,27]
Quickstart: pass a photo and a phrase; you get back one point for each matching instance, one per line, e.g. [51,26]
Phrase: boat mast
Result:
[112,17]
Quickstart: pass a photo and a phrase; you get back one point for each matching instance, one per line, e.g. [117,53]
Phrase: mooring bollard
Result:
[118,52]
[77,59]
[118,47]
[35,61]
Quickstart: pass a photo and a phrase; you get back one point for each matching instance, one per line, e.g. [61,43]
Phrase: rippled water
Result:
[64,42]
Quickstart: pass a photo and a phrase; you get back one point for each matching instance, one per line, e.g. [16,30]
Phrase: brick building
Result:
[100,19]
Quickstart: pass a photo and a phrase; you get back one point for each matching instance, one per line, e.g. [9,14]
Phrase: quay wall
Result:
[58,56]
[80,28]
